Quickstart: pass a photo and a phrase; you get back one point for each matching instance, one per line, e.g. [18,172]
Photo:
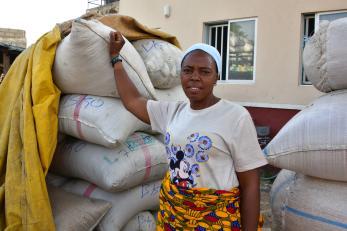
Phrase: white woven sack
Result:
[325,54]
[314,141]
[82,62]
[125,204]
[76,213]
[141,158]
[162,60]
[97,119]
[143,221]
[173,94]
[302,203]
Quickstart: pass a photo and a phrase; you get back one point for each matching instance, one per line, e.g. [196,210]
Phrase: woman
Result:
[211,144]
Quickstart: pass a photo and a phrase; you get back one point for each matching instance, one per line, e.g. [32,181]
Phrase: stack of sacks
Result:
[314,142]
[108,154]
[300,202]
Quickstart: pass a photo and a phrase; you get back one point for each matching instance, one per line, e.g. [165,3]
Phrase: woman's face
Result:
[198,77]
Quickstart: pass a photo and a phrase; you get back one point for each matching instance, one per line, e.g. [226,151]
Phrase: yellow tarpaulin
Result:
[28,136]
[29,103]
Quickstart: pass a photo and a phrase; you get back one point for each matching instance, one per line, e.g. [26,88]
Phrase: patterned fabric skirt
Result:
[198,209]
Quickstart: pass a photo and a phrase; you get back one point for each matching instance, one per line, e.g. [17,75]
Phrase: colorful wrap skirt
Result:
[198,209]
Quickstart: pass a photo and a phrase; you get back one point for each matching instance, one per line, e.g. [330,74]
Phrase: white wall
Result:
[278,64]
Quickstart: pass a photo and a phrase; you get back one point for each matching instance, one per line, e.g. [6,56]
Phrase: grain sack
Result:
[162,60]
[76,213]
[55,180]
[305,203]
[324,56]
[82,62]
[96,119]
[173,94]
[141,158]
[125,204]
[143,221]
[314,141]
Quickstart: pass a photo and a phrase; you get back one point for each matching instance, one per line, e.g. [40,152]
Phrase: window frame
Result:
[227,23]
[254,49]
[318,14]
[209,40]
[303,81]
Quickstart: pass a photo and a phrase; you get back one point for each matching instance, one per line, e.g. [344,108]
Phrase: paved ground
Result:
[265,208]
[268,174]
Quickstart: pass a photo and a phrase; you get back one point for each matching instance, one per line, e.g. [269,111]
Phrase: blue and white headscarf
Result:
[213,52]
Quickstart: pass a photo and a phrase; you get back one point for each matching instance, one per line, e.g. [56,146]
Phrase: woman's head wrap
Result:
[213,52]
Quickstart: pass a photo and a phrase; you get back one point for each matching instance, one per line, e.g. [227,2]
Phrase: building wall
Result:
[13,37]
[278,52]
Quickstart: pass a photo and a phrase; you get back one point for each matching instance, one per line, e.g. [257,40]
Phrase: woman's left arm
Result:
[250,199]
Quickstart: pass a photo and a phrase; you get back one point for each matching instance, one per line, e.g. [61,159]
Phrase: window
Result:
[311,24]
[236,41]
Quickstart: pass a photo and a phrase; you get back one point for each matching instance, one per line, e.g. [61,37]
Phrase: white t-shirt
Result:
[205,147]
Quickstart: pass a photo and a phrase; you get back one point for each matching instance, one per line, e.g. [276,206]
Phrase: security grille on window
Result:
[311,24]
[236,41]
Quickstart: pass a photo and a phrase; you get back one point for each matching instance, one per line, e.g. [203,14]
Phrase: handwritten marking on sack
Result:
[136,141]
[144,221]
[88,101]
[146,154]
[121,152]
[151,189]
[154,44]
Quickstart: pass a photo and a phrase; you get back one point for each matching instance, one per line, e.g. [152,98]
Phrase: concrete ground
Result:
[265,207]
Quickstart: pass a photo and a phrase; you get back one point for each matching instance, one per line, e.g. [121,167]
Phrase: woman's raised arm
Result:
[130,96]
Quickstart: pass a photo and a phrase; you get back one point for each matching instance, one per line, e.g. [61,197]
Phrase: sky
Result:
[37,17]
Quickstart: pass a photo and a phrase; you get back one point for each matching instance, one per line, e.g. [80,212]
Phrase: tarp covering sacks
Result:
[141,158]
[162,60]
[304,203]
[74,212]
[134,30]
[125,204]
[314,141]
[82,62]
[98,120]
[28,137]
[324,56]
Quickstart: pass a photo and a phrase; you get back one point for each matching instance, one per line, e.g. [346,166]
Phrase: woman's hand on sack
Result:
[116,43]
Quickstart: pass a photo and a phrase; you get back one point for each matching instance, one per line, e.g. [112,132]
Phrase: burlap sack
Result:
[314,141]
[82,62]
[76,213]
[99,120]
[324,56]
[141,158]
[143,221]
[302,203]
[125,204]
[162,60]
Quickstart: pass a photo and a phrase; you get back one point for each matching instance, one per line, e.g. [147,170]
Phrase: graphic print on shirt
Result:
[184,162]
